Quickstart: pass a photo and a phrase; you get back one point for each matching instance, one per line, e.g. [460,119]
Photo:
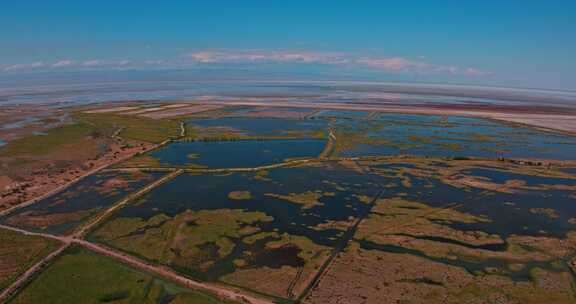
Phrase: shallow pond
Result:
[329,199]
[569,170]
[450,137]
[66,210]
[264,126]
[509,212]
[340,114]
[338,201]
[237,154]
[501,177]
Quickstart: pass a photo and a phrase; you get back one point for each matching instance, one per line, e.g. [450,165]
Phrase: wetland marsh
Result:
[452,206]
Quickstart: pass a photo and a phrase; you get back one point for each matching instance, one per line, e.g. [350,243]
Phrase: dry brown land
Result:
[112,109]
[42,178]
[371,276]
[180,111]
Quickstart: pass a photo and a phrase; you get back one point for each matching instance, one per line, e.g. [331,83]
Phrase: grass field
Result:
[81,276]
[88,127]
[135,128]
[19,252]
[59,137]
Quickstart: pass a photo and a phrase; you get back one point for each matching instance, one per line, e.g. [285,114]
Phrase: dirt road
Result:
[85,228]
[164,272]
[171,275]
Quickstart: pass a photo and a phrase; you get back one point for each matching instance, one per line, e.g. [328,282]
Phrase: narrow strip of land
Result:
[173,276]
[28,274]
[330,145]
[219,290]
[74,181]
[85,228]
[342,243]
[127,259]
[51,192]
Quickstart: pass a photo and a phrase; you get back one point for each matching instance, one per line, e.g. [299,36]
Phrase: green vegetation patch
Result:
[240,195]
[55,138]
[301,258]
[81,276]
[308,199]
[192,239]
[142,161]
[19,252]
[132,127]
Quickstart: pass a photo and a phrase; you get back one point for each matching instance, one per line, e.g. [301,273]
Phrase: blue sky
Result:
[508,43]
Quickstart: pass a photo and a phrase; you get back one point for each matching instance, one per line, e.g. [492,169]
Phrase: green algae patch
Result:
[308,199]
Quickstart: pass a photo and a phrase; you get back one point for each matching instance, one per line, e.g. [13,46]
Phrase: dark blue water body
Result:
[501,177]
[472,267]
[91,193]
[569,170]
[517,218]
[455,136]
[237,154]
[253,110]
[500,247]
[263,126]
[340,114]
[504,219]
[210,192]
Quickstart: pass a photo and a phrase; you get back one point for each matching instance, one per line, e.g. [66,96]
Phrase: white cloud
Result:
[63,63]
[388,64]
[396,64]
[91,63]
[123,62]
[209,57]
[25,66]
[475,72]
[264,56]
[404,65]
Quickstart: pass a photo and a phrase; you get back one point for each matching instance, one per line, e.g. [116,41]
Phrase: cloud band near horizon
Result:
[234,57]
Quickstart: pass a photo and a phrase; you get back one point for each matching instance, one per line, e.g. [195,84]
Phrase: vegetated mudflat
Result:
[208,142]
[268,231]
[259,127]
[451,235]
[271,231]
[431,135]
[19,252]
[34,164]
[436,226]
[62,212]
[81,276]
[327,114]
